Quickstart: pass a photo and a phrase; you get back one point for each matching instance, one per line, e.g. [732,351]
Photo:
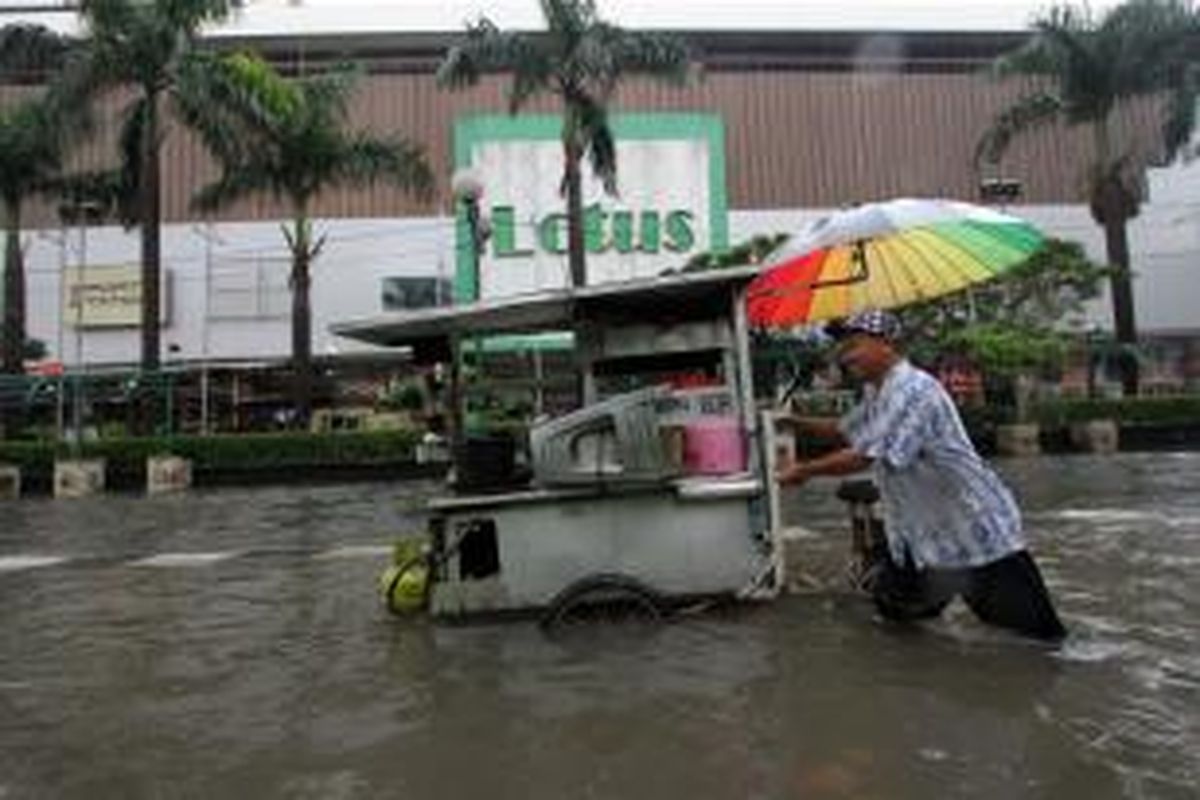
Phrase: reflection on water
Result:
[229,643]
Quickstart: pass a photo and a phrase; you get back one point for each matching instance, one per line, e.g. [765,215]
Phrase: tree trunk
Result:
[14,292]
[149,212]
[1116,242]
[1111,206]
[302,320]
[576,257]
[575,243]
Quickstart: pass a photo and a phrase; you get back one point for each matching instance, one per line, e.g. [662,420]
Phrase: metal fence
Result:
[78,406]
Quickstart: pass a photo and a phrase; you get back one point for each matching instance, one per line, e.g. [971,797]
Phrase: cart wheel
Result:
[603,599]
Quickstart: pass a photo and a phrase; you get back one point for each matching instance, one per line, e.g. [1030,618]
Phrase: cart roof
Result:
[700,295]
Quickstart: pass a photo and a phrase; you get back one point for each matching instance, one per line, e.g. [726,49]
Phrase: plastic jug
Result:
[714,446]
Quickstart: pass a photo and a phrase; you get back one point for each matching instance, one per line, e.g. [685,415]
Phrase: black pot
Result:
[485,464]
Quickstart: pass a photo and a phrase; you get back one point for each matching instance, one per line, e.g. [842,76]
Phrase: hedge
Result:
[242,452]
[1183,410]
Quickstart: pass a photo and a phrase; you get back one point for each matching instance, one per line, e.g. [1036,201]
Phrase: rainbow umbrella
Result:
[886,255]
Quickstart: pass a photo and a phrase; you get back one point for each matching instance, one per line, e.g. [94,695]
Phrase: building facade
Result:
[798,123]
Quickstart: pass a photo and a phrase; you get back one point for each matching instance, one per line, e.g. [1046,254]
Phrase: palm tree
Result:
[288,138]
[32,147]
[30,158]
[581,60]
[143,46]
[1086,72]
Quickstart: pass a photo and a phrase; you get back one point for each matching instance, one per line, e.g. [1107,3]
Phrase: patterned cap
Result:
[872,322]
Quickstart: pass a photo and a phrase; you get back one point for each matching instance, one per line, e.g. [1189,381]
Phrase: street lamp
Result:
[208,233]
[81,213]
[467,186]
[173,365]
[1001,191]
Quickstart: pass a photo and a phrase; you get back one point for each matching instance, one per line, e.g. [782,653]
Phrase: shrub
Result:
[1128,411]
[247,452]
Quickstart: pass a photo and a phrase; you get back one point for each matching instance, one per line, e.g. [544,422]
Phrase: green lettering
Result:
[622,231]
[651,233]
[504,234]
[550,233]
[593,229]
[680,237]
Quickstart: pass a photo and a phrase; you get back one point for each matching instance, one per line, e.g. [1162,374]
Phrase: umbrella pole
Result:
[860,260]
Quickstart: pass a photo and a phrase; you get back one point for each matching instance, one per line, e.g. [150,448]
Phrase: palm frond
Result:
[1149,42]
[83,75]
[107,191]
[485,49]
[326,95]
[31,147]
[659,55]
[1087,74]
[1067,51]
[366,159]
[1179,113]
[607,53]
[129,141]
[586,131]
[569,19]
[602,152]
[1058,38]
[532,74]
[27,50]
[191,14]
[1028,112]
[592,67]
[233,101]
[108,17]
[286,137]
[1036,58]
[235,184]
[139,42]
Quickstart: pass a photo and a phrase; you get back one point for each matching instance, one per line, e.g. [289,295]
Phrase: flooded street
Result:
[230,643]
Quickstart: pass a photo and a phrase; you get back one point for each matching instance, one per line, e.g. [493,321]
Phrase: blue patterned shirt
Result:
[942,504]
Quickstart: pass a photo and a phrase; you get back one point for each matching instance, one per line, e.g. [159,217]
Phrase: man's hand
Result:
[841,462]
[793,473]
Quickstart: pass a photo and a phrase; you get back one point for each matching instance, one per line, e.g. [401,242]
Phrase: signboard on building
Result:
[106,297]
[670,205]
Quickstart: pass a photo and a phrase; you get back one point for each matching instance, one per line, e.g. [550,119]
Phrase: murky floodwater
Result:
[230,644]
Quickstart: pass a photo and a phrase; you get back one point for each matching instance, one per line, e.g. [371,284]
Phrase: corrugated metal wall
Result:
[794,138]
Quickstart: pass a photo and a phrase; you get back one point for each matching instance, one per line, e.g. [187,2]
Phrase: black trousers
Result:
[1008,593]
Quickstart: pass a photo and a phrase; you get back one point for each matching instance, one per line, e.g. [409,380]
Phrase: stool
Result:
[868,542]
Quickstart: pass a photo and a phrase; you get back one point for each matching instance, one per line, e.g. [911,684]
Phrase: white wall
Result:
[360,253]
[347,282]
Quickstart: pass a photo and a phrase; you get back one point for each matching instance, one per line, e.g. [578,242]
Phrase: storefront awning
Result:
[682,296]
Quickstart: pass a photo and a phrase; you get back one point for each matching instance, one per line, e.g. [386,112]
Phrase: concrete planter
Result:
[168,474]
[78,478]
[1018,440]
[1097,436]
[10,482]
[432,449]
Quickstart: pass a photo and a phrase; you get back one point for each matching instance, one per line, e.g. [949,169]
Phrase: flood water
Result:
[230,643]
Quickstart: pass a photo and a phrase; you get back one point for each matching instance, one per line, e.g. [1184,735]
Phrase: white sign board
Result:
[670,204]
[106,297]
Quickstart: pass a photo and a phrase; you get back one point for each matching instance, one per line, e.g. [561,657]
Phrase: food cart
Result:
[652,492]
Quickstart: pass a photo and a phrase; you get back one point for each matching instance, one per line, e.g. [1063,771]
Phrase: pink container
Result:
[714,446]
